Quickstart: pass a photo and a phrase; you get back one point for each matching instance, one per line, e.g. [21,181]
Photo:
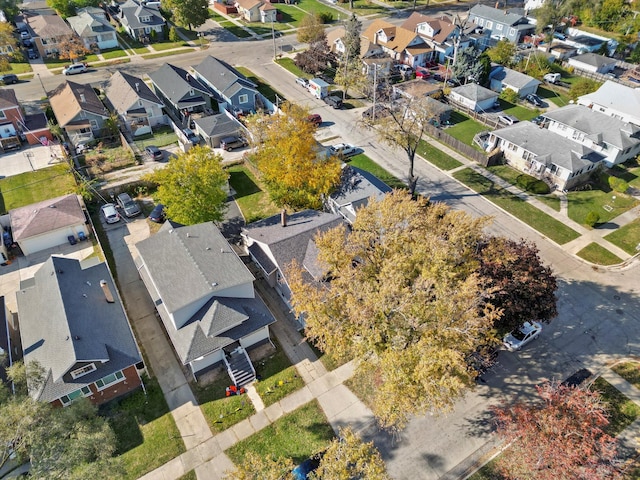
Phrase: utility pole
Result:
[273,37]
[375,91]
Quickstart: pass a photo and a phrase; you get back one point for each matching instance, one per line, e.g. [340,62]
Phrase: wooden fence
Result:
[463,148]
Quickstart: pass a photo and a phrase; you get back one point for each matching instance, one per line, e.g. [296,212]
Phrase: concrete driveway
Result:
[29,159]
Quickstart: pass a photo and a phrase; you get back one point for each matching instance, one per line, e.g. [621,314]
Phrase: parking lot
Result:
[30,158]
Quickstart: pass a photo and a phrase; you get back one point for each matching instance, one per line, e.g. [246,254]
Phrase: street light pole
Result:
[273,37]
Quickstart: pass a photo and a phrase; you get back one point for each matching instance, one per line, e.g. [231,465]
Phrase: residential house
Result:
[235,93]
[204,295]
[275,242]
[47,224]
[474,96]
[73,324]
[214,128]
[498,24]
[402,45]
[142,21]
[585,43]
[615,100]
[559,161]
[357,188]
[137,106]
[48,32]
[593,63]
[562,51]
[616,139]
[438,32]
[257,11]
[181,93]
[502,78]
[78,110]
[92,26]
[14,123]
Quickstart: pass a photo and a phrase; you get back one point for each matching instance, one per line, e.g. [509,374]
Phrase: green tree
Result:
[64,8]
[311,29]
[509,95]
[468,65]
[349,76]
[317,58]
[295,170]
[7,39]
[192,186]
[10,8]
[536,65]
[187,13]
[582,86]
[502,52]
[403,301]
[608,14]
[173,35]
[351,39]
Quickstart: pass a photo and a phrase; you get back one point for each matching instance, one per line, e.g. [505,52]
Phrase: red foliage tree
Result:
[559,437]
[522,286]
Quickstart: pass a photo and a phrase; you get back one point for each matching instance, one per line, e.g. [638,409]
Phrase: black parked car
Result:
[334,101]
[157,214]
[8,78]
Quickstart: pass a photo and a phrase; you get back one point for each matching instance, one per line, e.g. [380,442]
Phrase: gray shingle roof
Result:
[220,124]
[87,23]
[176,84]
[474,92]
[190,263]
[46,216]
[124,91]
[223,77]
[507,17]
[513,78]
[548,147]
[593,59]
[79,325]
[615,96]
[612,130]
[355,190]
[131,12]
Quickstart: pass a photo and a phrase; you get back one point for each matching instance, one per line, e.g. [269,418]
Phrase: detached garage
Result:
[474,96]
[216,127]
[47,224]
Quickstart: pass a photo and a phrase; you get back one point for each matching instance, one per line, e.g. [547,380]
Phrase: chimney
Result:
[107,291]
[283,217]
[82,98]
[137,87]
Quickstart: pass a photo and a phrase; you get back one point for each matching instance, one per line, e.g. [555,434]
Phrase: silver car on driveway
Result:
[128,205]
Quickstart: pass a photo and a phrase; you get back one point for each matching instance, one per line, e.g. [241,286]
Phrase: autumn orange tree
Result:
[71,48]
[294,167]
[404,300]
[560,436]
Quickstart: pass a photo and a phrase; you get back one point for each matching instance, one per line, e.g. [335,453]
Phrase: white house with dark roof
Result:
[498,23]
[92,26]
[73,324]
[617,140]
[137,106]
[594,63]
[140,20]
[204,295]
[48,224]
[502,78]
[615,100]
[473,96]
[275,242]
[438,32]
[543,154]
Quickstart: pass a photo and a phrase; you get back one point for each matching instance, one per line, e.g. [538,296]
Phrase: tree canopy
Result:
[7,39]
[71,48]
[292,165]
[560,436]
[582,86]
[502,52]
[317,58]
[471,63]
[403,300]
[351,39]
[311,29]
[187,13]
[192,186]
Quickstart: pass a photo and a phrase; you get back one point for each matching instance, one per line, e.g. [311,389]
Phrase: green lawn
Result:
[235,29]
[523,113]
[263,87]
[464,128]
[622,411]
[553,94]
[365,163]
[19,68]
[288,64]
[583,202]
[511,175]
[167,54]
[629,172]
[254,203]
[159,138]
[190,475]
[162,46]
[119,61]
[31,187]
[437,157]
[260,28]
[146,434]
[141,50]
[365,7]
[221,411]
[599,255]
[630,371]
[278,377]
[293,14]
[190,34]
[529,214]
[114,54]
[627,237]
[296,435]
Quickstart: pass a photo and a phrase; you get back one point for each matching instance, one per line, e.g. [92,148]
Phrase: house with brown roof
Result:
[48,32]
[402,45]
[48,224]
[257,11]
[438,32]
[78,110]
[14,123]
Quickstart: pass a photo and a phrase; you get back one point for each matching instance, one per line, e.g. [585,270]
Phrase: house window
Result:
[70,397]
[512,31]
[2,115]
[94,124]
[83,371]
[139,103]
[577,136]
[489,25]
[109,380]
[499,27]
[512,147]
[243,98]
[480,22]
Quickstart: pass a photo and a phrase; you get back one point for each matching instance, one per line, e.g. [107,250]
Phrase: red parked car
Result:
[422,72]
[315,119]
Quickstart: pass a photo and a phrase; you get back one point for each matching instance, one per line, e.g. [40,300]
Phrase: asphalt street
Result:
[599,314]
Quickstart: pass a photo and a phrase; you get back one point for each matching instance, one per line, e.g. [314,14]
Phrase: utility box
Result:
[318,88]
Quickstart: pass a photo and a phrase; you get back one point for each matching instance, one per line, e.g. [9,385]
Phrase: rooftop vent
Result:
[107,291]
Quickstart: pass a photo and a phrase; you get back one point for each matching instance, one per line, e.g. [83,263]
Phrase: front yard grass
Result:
[629,172]
[511,175]
[627,237]
[296,435]
[113,54]
[464,128]
[263,87]
[162,46]
[622,411]
[221,411]
[523,113]
[437,157]
[365,163]
[630,371]
[146,434]
[365,7]
[543,223]
[599,201]
[19,68]
[31,187]
[160,138]
[234,29]
[278,378]
[254,202]
[167,54]
[595,253]
[288,64]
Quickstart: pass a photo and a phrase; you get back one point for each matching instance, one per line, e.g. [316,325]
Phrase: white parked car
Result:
[75,68]
[343,150]
[110,213]
[520,337]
